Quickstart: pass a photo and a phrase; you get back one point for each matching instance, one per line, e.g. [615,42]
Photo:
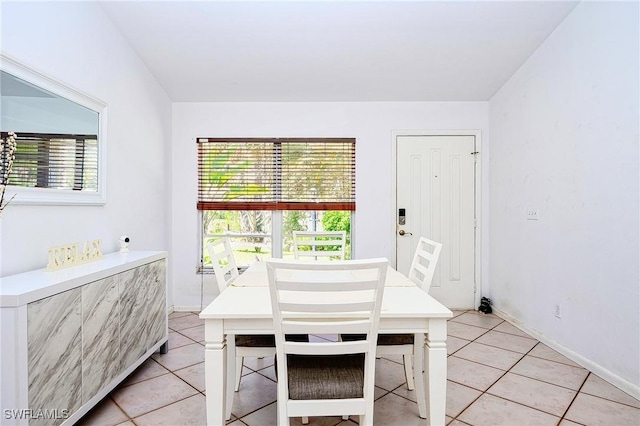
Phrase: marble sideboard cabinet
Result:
[69,337]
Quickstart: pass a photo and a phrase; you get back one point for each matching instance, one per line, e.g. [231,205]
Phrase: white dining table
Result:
[245,308]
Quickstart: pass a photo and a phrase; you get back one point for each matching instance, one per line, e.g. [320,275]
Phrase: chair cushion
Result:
[383,339]
[256,340]
[352,337]
[266,340]
[395,339]
[325,377]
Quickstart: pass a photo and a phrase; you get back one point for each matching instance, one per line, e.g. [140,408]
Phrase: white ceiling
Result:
[314,51]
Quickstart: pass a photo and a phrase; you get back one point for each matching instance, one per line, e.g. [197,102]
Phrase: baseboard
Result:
[595,368]
[197,308]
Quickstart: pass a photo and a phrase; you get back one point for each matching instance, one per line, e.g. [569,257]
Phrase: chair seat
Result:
[256,340]
[325,377]
[266,340]
[395,339]
[383,339]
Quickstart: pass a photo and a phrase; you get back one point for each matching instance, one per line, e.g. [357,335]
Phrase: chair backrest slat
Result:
[315,244]
[301,327]
[332,348]
[424,263]
[336,307]
[223,262]
[339,286]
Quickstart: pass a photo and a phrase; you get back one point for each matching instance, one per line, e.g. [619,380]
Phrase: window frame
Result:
[277,214]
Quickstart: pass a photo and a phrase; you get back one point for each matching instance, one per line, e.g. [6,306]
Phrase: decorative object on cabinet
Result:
[68,255]
[124,244]
[71,336]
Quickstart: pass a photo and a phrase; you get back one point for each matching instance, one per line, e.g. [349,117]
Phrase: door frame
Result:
[477,268]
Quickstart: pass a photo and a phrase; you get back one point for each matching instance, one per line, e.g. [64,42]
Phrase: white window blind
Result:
[276,174]
[57,161]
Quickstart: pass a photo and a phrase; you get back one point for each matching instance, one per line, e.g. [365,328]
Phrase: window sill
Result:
[208,270]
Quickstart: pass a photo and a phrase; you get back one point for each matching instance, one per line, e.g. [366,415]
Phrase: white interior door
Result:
[435,182]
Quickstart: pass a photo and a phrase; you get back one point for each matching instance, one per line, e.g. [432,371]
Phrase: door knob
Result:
[402,232]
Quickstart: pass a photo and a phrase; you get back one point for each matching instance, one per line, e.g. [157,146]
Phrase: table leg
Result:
[435,372]
[231,374]
[418,375]
[215,360]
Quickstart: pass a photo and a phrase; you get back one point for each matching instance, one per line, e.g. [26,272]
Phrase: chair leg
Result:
[281,417]
[408,371]
[365,420]
[239,362]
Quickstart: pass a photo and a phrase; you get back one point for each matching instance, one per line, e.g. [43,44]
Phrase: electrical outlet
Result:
[557,312]
[532,214]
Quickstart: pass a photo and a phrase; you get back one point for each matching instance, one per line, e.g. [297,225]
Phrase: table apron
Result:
[214,330]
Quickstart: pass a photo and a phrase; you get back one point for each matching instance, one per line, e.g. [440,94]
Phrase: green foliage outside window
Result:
[337,221]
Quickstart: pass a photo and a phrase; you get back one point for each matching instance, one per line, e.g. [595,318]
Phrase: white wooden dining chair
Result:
[329,378]
[226,271]
[319,245]
[423,265]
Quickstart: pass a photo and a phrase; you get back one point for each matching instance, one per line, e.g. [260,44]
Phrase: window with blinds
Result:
[276,174]
[58,161]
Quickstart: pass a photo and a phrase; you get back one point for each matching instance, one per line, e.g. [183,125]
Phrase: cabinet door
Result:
[156,293]
[143,310]
[133,316]
[55,354]
[100,336]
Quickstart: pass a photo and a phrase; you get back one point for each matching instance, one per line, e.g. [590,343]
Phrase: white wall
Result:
[75,43]
[564,140]
[370,123]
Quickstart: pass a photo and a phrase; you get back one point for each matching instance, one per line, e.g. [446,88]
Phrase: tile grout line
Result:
[528,353]
[496,381]
[603,397]
[164,406]
[169,371]
[523,405]
[385,393]
[254,411]
[120,408]
[167,405]
[575,397]
[548,383]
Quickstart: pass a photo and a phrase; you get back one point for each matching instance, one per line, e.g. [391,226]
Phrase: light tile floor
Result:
[497,375]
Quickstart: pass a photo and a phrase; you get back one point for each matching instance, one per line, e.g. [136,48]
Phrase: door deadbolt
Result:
[402,216]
